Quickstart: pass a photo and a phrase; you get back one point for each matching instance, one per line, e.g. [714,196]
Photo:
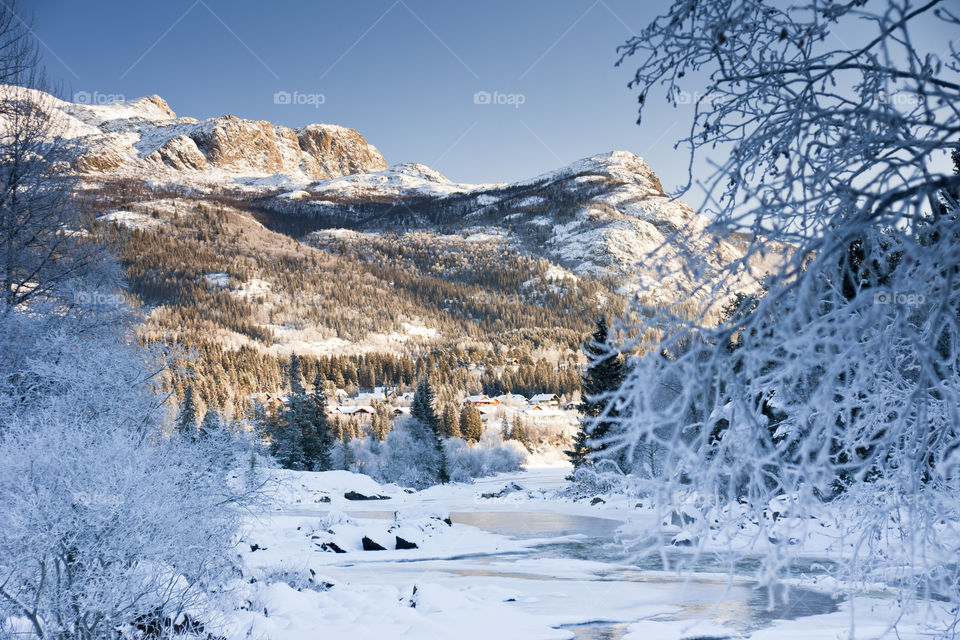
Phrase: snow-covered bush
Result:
[406,459]
[836,381]
[399,459]
[487,457]
[104,516]
[603,477]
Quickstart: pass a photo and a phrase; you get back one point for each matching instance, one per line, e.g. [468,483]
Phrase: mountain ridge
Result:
[240,225]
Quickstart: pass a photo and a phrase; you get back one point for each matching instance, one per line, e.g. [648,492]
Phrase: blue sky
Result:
[404,73]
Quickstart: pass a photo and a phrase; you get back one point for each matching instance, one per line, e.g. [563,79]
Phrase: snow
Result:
[219,279]
[420,330]
[133,220]
[489,575]
[405,180]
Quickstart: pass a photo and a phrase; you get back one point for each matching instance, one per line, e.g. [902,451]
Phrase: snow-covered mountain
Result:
[600,216]
[145,139]
[597,216]
[230,195]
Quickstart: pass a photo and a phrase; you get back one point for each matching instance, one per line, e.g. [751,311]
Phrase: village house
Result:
[546,400]
[360,411]
[482,401]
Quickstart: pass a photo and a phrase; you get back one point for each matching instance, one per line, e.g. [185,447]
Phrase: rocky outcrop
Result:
[370,545]
[244,145]
[318,151]
[145,138]
[180,152]
[355,495]
[337,151]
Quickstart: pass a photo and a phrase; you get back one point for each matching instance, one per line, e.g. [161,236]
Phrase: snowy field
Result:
[521,562]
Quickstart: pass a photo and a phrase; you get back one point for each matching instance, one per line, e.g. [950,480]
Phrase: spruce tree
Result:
[603,374]
[287,429]
[210,426]
[471,423]
[578,453]
[425,416]
[450,422]
[317,441]
[382,421]
[187,415]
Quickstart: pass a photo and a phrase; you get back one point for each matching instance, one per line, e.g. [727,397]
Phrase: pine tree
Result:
[450,422]
[578,454]
[317,441]
[425,416]
[471,423]
[211,423]
[522,433]
[187,416]
[286,430]
[603,374]
[382,420]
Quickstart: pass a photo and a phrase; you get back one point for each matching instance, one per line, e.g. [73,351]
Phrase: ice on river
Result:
[525,564]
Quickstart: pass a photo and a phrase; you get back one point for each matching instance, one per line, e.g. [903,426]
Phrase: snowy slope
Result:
[600,216]
[144,139]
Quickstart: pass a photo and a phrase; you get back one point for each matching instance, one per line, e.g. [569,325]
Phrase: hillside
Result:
[242,236]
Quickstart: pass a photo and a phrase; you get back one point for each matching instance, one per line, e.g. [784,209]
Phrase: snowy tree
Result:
[471,422]
[186,424]
[104,517]
[211,425]
[317,440]
[602,376]
[286,430]
[833,383]
[382,420]
[425,429]
[450,422]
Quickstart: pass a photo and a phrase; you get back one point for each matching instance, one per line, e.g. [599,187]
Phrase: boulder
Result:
[370,545]
[507,489]
[683,539]
[354,495]
[680,519]
[406,544]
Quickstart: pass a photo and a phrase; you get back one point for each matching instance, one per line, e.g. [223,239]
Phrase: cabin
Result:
[546,400]
[356,411]
[482,401]
[542,411]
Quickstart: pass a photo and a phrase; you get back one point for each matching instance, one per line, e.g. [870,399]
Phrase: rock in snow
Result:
[370,545]
[355,495]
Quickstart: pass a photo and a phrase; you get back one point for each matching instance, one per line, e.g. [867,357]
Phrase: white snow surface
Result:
[488,576]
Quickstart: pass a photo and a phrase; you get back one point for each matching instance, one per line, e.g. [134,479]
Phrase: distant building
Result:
[482,401]
[356,411]
[542,411]
[546,400]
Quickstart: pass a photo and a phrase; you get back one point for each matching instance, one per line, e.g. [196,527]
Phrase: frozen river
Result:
[576,571]
[528,564]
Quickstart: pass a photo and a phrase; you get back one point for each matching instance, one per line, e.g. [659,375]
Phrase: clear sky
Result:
[403,72]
